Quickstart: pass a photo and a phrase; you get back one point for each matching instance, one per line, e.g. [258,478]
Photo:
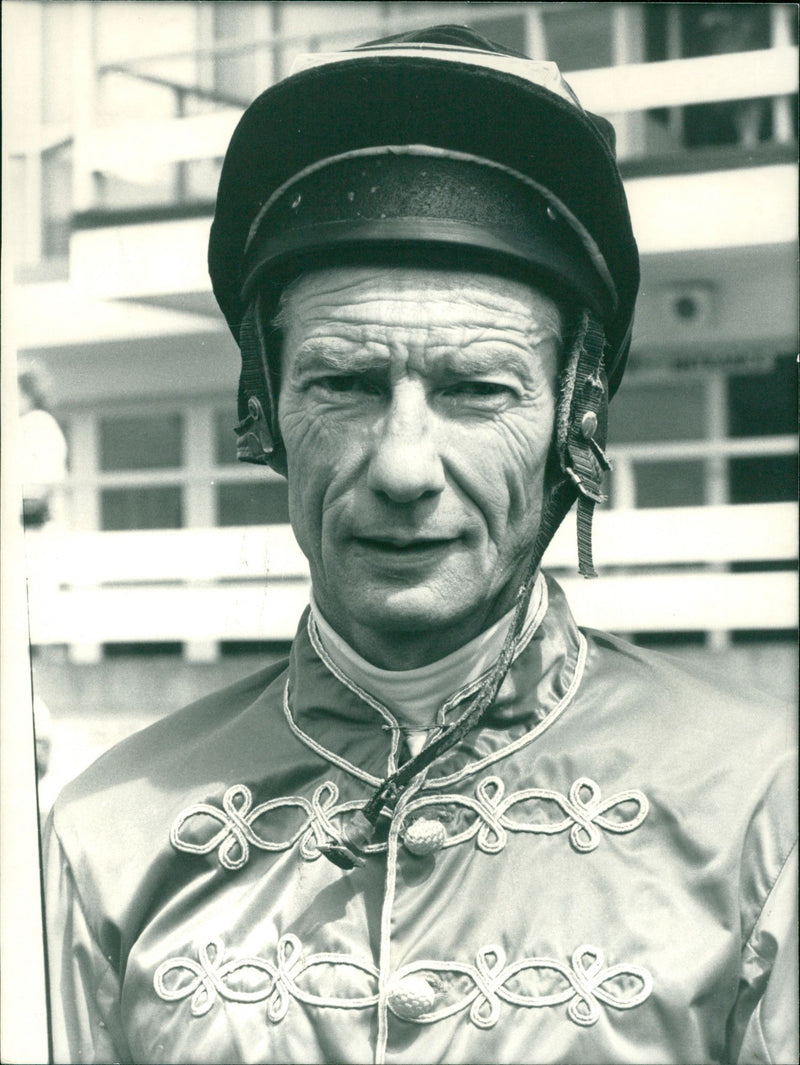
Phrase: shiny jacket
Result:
[600,873]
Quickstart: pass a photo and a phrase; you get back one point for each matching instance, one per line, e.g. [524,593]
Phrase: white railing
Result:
[612,91]
[678,82]
[665,572]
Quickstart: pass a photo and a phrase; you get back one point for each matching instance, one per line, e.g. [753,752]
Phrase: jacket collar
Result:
[350,728]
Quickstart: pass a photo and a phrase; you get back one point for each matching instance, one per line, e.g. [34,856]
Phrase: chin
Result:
[411,610]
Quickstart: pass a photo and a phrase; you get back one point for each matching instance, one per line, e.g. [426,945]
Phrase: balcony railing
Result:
[627,94]
[666,572]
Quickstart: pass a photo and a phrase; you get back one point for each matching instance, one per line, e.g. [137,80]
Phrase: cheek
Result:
[323,457]
[309,470]
[502,468]
[310,440]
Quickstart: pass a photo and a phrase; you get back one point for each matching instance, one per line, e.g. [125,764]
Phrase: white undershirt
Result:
[414,696]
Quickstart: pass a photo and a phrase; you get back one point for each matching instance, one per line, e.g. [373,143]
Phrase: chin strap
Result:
[350,850]
[257,434]
[583,459]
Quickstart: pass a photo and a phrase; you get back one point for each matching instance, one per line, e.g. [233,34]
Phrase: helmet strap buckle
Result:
[583,459]
[254,440]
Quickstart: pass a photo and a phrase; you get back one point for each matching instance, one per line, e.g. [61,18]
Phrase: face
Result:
[417,410]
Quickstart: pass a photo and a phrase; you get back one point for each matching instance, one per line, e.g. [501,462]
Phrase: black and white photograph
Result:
[400,533]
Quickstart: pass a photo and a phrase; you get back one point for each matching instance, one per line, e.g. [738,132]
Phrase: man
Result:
[545,845]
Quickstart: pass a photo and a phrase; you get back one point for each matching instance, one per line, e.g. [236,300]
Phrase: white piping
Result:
[385,956]
[511,748]
[323,752]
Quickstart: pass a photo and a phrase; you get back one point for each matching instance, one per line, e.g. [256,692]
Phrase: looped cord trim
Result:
[582,985]
[239,826]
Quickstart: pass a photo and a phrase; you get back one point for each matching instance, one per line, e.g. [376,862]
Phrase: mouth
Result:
[394,545]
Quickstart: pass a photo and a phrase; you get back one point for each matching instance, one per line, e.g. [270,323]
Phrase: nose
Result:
[405,464]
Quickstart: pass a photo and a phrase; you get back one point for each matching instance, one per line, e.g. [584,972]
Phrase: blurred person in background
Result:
[452,826]
[42,451]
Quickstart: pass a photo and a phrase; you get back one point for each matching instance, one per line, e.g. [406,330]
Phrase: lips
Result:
[404,545]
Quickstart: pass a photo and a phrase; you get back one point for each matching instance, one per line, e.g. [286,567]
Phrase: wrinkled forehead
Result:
[413,299]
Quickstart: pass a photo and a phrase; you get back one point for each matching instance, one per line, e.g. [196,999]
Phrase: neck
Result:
[414,647]
[414,695]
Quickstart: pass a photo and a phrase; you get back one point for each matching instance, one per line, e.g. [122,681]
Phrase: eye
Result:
[362,384]
[479,390]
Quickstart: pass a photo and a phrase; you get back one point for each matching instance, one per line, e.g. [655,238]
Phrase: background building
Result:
[116,118]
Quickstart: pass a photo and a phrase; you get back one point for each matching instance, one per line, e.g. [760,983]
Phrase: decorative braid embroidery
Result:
[212,978]
[238,832]
[584,814]
[584,984]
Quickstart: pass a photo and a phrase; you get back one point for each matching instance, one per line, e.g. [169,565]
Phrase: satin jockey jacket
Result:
[601,872]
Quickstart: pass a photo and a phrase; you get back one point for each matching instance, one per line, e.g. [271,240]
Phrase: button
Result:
[411,997]
[588,425]
[424,836]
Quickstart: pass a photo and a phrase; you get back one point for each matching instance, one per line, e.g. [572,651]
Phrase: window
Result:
[764,405]
[645,416]
[224,436]
[670,484]
[664,410]
[257,503]
[581,38]
[250,52]
[234,72]
[679,442]
[764,479]
[690,31]
[141,442]
[157,507]
[508,31]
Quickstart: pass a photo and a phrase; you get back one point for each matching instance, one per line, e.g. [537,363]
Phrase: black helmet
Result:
[450,90]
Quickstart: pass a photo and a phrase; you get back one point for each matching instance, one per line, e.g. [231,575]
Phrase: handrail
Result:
[178,87]
[385,27]
[616,89]
[655,451]
[609,90]
[677,82]
[730,447]
[669,536]
[665,573]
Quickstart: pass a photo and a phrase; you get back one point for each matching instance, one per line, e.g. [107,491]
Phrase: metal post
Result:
[23,993]
[780,27]
[200,509]
[716,474]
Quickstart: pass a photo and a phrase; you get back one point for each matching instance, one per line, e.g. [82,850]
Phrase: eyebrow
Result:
[314,355]
[489,358]
[482,357]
